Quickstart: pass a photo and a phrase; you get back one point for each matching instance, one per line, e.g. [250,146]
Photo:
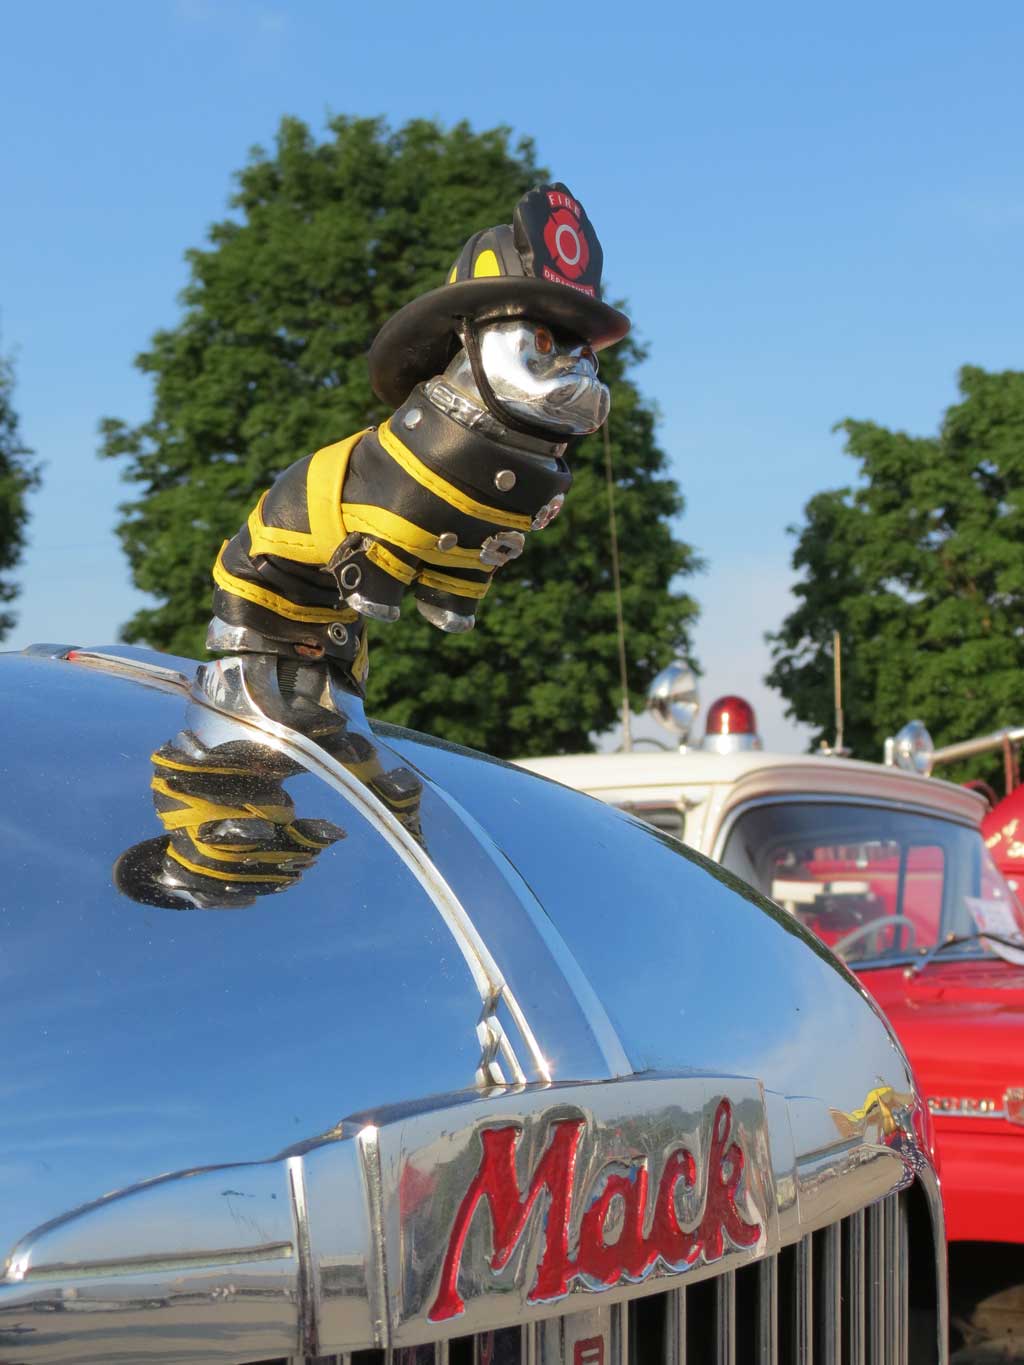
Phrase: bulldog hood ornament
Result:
[489,375]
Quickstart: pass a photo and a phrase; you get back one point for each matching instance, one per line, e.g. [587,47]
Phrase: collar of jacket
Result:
[486,470]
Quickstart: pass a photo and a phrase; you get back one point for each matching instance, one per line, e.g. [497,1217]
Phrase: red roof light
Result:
[731,725]
[731,716]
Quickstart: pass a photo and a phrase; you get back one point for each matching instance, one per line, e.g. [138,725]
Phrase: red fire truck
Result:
[889,867]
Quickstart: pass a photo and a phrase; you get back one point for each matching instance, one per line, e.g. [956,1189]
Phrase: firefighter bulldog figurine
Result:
[489,376]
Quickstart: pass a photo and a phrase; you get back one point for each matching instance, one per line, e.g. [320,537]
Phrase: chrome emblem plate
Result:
[584,1190]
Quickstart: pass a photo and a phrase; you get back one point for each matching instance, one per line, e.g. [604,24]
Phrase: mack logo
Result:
[619,1236]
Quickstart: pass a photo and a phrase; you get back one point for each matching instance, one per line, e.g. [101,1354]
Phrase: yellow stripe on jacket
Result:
[447,492]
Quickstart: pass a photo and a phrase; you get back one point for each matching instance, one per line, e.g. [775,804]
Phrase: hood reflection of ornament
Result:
[672,699]
[881,1109]
[231,831]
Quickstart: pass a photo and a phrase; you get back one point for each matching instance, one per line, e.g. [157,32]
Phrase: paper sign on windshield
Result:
[998,918]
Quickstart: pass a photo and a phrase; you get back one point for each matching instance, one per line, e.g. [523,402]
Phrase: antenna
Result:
[627,732]
[837,685]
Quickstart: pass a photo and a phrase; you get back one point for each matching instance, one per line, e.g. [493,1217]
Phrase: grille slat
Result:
[803,1302]
[768,1311]
[529,1344]
[876,1275]
[674,1352]
[854,1291]
[725,1314]
[891,1234]
[901,1281]
[839,1296]
[619,1334]
[828,1295]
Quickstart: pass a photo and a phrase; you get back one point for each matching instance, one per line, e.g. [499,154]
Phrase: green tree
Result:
[19,474]
[920,566]
[269,362]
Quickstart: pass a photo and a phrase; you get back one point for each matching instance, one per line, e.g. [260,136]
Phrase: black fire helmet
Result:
[545,266]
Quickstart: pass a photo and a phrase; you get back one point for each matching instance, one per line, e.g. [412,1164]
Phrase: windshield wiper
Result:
[954,939]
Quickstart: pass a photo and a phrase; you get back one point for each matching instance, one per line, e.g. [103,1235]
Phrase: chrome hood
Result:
[265,1106]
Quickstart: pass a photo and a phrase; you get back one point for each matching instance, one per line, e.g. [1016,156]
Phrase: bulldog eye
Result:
[544,341]
[588,353]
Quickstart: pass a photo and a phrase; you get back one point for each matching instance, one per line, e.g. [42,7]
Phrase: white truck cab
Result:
[697,793]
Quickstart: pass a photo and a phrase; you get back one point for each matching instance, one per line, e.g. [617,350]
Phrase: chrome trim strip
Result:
[590,1003]
[305,1277]
[508,1052]
[142,670]
[494,1043]
[19,1273]
[938,1113]
[368,1145]
[929,1184]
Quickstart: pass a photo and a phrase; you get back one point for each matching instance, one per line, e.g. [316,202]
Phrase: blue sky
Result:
[813,211]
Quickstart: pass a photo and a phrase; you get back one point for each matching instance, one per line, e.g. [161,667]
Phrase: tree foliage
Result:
[920,566]
[19,474]
[269,362]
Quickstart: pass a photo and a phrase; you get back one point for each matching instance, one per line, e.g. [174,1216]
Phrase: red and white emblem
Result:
[567,243]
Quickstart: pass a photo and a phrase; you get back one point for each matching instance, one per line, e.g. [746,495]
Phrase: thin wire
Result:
[837,686]
[627,733]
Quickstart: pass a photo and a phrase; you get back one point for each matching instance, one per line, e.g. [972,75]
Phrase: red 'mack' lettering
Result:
[496,1182]
[634,1252]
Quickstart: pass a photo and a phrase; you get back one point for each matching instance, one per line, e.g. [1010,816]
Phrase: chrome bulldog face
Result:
[538,377]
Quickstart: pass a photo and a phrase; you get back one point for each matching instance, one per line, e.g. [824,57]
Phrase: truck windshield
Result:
[872,881]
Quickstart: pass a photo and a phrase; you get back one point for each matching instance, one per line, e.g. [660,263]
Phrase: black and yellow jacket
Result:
[377,508]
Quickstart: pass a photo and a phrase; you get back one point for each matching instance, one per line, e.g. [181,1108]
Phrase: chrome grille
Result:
[837,1297]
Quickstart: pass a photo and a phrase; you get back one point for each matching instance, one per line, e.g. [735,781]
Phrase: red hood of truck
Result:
[962,1025]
